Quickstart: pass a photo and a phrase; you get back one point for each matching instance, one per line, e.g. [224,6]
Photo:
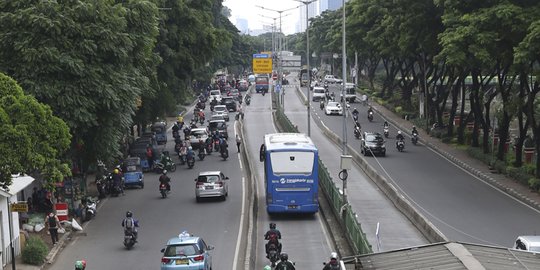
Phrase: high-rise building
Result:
[323,5]
[334,4]
[242,25]
[313,12]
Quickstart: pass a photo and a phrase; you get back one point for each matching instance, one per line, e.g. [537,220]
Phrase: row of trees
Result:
[103,66]
[485,52]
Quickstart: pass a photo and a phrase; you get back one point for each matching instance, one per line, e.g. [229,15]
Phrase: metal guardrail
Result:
[347,218]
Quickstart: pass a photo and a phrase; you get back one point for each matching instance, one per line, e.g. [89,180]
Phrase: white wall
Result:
[6,250]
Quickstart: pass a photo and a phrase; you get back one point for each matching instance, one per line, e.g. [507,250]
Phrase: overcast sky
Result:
[248,10]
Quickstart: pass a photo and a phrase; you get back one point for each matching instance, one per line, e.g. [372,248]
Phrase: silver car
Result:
[222,109]
[211,184]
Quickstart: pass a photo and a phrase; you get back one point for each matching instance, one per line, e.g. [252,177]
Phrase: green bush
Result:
[534,183]
[500,166]
[519,174]
[35,251]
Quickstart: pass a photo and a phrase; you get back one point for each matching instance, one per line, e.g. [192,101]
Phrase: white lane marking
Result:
[241,227]
[325,233]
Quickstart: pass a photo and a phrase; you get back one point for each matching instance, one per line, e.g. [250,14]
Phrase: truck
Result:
[350,93]
[304,79]
[262,83]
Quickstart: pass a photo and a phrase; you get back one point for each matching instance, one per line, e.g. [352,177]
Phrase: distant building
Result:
[242,25]
[313,12]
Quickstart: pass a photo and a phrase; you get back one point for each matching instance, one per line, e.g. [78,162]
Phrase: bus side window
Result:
[262,153]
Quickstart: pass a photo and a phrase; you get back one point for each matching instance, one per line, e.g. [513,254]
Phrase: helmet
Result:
[164,171]
[284,257]
[116,171]
[190,148]
[267,267]
[399,132]
[413,127]
[80,265]
[129,214]
[333,255]
[273,226]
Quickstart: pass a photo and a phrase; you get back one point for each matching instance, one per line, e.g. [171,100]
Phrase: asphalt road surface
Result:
[160,219]
[304,238]
[462,206]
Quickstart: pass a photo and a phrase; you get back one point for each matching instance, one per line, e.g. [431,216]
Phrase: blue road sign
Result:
[260,55]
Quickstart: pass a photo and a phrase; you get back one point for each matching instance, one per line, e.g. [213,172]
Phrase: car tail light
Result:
[165,260]
[200,184]
[199,258]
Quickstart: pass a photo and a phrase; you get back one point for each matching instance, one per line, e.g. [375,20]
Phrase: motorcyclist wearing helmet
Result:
[273,235]
[130,224]
[117,180]
[285,264]
[414,131]
[165,159]
[333,264]
[370,110]
[223,145]
[399,137]
[385,125]
[355,112]
[164,179]
[80,265]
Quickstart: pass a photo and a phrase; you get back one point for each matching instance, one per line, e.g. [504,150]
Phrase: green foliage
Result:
[519,174]
[35,251]
[477,153]
[32,139]
[534,183]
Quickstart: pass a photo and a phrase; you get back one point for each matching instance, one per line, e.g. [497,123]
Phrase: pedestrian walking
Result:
[238,142]
[53,224]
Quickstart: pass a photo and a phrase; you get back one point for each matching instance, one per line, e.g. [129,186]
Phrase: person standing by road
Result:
[53,224]
[238,142]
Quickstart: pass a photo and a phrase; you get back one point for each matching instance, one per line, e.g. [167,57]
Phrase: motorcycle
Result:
[216,145]
[385,131]
[201,120]
[414,138]
[225,153]
[273,255]
[169,166]
[248,101]
[201,154]
[263,92]
[209,148]
[129,239]
[101,187]
[163,190]
[191,162]
[400,145]
[357,132]
[355,117]
[89,209]
[370,116]
[115,190]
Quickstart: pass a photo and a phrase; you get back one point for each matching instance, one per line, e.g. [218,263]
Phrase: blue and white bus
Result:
[291,173]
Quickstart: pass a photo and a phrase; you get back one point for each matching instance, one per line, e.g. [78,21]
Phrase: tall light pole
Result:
[343,95]
[306,3]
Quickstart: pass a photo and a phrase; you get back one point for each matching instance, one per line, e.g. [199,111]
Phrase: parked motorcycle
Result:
[90,208]
[400,145]
[385,131]
[101,187]
[163,190]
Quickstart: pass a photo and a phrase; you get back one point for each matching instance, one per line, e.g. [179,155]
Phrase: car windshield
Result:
[333,104]
[374,138]
[234,92]
[215,93]
[217,117]
[131,168]
[208,178]
[220,125]
[181,250]
[198,133]
[320,91]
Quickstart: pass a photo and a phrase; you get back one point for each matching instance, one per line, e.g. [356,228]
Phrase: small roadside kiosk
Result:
[9,218]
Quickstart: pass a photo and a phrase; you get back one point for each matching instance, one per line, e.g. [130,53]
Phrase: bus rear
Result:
[291,177]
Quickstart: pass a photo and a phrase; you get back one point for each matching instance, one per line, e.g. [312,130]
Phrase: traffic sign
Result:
[261,55]
[262,65]
[19,207]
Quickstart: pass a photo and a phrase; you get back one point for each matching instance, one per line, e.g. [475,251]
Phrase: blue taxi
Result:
[186,252]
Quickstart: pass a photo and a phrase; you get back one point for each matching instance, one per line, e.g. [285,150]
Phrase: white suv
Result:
[318,93]
[332,79]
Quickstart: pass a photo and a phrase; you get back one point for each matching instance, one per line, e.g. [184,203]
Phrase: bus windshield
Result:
[292,162]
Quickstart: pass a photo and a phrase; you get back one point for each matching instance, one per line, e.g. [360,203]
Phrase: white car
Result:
[197,135]
[332,79]
[318,93]
[211,184]
[333,107]
[215,94]
[222,109]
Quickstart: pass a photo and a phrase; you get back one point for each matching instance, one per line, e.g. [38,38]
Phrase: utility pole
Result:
[344,94]
[308,55]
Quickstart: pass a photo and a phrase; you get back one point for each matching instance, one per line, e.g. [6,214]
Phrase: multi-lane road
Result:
[460,205]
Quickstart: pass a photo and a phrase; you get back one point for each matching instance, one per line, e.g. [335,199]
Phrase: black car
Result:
[220,126]
[230,103]
[372,143]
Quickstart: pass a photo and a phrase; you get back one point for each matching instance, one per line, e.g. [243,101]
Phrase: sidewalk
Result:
[462,159]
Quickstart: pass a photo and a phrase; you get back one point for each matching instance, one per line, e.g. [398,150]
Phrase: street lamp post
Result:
[343,95]
[306,3]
